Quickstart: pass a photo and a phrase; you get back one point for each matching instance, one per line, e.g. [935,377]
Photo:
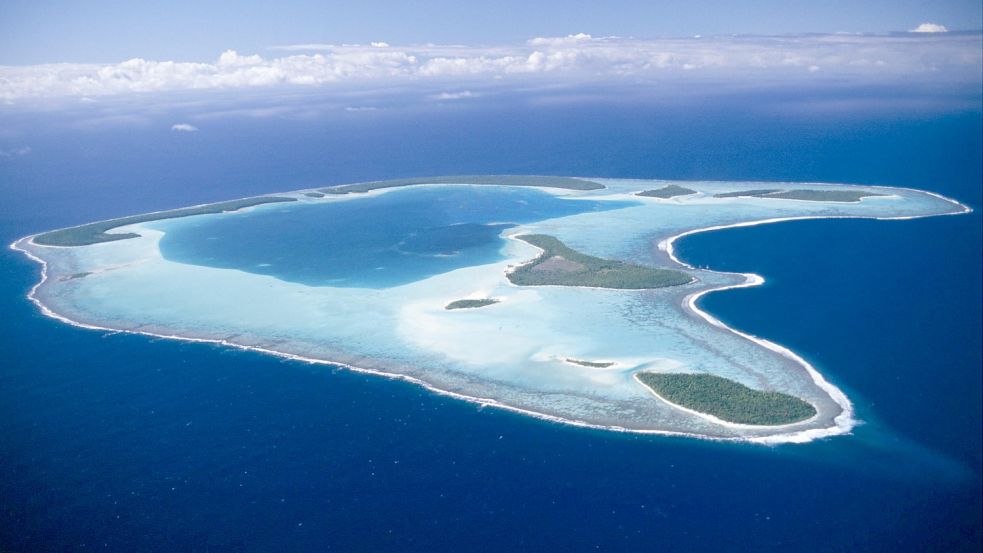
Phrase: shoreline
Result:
[843,422]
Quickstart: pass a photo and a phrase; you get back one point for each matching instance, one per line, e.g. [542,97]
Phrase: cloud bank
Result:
[454,95]
[922,55]
[930,28]
[184,127]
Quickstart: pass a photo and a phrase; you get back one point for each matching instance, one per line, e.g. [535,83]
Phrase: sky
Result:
[109,59]
[105,31]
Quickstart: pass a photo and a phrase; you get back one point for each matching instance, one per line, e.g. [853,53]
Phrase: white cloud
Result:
[360,108]
[555,41]
[16,152]
[184,127]
[454,95]
[929,28]
[578,58]
[231,58]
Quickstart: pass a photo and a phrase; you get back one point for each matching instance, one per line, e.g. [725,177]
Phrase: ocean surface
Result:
[124,443]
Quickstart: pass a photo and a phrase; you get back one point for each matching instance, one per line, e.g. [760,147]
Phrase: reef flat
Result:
[593,313]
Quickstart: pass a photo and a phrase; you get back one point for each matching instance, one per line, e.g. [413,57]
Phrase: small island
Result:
[560,265]
[470,304]
[727,400]
[74,276]
[841,196]
[756,193]
[590,364]
[314,194]
[666,192]
[848,196]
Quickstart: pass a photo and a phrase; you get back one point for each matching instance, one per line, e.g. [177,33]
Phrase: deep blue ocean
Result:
[124,443]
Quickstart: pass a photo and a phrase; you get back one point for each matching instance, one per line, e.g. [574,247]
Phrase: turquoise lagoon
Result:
[362,280]
[396,238]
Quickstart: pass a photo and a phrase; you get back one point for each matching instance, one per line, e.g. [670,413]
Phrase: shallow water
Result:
[368,242]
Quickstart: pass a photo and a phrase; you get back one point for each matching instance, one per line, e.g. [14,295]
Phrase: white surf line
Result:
[795,437]
[845,421]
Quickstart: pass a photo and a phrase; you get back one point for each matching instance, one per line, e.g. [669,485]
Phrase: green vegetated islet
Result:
[95,233]
[591,364]
[75,276]
[726,399]
[666,192]
[470,304]
[824,195]
[756,193]
[847,196]
[577,269]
